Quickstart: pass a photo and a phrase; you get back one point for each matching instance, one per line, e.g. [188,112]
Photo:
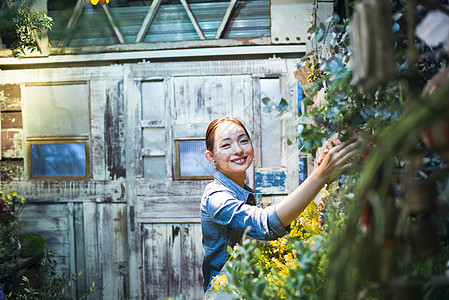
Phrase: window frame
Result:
[41,140]
[177,173]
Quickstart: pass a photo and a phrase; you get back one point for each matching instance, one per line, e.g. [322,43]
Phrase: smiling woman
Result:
[228,204]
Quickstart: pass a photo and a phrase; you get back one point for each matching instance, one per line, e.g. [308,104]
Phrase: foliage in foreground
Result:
[365,250]
[27,268]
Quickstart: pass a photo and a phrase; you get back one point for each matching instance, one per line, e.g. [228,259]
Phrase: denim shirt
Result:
[225,214]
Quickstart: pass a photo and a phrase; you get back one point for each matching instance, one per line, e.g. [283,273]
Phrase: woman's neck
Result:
[238,178]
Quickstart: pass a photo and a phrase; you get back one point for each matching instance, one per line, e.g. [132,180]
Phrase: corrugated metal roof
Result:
[249,19]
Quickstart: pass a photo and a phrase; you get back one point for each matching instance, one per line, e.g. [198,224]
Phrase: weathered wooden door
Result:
[169,106]
[176,110]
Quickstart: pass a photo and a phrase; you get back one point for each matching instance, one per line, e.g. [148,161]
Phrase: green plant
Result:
[27,269]
[56,286]
[21,25]
[296,278]
[32,244]
[364,247]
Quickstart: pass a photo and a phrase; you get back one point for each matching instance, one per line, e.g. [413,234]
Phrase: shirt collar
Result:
[228,182]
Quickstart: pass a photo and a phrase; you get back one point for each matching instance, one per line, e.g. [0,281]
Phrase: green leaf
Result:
[266,100]
[283,105]
[307,101]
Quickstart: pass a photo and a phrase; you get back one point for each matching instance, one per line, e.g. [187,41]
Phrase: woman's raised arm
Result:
[337,160]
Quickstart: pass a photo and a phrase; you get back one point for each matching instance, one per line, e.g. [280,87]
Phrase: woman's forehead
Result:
[229,129]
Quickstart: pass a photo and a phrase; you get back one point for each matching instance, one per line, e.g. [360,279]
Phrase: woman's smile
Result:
[239,160]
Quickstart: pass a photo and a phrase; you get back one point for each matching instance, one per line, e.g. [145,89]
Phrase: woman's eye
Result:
[225,146]
[244,141]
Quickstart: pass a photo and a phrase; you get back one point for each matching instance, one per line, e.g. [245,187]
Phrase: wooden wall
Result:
[139,237]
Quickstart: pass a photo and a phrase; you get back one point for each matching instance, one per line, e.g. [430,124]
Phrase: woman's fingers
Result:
[343,154]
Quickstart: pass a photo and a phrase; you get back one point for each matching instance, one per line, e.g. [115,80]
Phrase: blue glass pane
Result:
[193,162]
[53,160]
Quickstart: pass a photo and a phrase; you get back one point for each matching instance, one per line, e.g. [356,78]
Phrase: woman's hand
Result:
[337,159]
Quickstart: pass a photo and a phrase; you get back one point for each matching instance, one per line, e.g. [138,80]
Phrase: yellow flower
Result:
[219,281]
[22,201]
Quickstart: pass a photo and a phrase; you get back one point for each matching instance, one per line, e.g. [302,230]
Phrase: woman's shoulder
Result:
[216,187]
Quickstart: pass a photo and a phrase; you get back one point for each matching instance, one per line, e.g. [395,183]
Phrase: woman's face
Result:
[233,150]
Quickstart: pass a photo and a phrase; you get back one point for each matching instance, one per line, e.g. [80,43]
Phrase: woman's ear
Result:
[209,156]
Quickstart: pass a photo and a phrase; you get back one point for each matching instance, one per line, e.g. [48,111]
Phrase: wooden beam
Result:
[192,19]
[73,21]
[225,20]
[114,26]
[148,20]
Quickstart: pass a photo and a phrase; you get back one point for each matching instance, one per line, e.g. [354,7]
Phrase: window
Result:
[56,159]
[270,90]
[57,130]
[154,131]
[191,162]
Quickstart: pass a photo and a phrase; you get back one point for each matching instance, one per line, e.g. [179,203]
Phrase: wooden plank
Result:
[67,191]
[92,271]
[98,166]
[271,181]
[51,75]
[292,153]
[148,20]
[114,26]
[157,187]
[53,227]
[11,143]
[133,143]
[114,134]
[71,25]
[114,255]
[168,206]
[147,70]
[80,247]
[72,243]
[225,20]
[202,99]
[177,270]
[13,99]
[191,262]
[153,152]
[133,92]
[175,257]
[172,257]
[193,20]
[97,124]
[155,268]
[11,120]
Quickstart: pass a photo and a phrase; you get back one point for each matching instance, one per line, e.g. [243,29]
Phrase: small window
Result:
[191,162]
[57,130]
[50,159]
